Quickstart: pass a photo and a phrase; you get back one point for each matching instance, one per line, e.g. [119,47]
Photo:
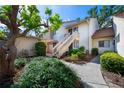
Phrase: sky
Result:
[67,12]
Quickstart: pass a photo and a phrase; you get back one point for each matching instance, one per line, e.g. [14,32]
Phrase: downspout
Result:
[88,35]
[114,35]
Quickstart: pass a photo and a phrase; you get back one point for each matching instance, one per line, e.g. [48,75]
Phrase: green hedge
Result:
[94,51]
[40,48]
[48,72]
[113,62]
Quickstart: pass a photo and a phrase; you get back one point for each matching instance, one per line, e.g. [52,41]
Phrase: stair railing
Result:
[66,42]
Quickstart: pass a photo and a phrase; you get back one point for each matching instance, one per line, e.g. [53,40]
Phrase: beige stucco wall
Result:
[23,43]
[85,29]
[83,34]
[102,49]
[93,26]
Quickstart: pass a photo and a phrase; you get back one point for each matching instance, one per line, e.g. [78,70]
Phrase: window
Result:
[105,43]
[101,43]
[70,31]
[75,29]
[76,44]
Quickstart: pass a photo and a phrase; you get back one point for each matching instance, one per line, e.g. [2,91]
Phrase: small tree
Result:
[19,20]
[54,21]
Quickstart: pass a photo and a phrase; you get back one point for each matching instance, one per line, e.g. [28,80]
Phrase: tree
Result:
[93,12]
[19,20]
[104,14]
[54,21]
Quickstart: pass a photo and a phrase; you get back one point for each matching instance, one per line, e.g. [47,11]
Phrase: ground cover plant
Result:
[20,62]
[46,72]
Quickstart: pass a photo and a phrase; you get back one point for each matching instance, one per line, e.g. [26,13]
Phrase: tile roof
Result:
[101,33]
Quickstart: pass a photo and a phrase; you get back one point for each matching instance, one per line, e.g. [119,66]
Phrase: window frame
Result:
[103,42]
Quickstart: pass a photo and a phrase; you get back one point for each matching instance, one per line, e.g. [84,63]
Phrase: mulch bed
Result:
[85,60]
[113,80]
[88,57]
[18,72]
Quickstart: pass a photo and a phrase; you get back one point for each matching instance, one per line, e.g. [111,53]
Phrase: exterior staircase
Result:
[63,45]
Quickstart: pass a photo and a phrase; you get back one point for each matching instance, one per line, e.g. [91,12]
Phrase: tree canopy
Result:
[53,20]
[23,19]
[104,14]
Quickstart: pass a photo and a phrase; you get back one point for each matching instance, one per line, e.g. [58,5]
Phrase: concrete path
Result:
[89,73]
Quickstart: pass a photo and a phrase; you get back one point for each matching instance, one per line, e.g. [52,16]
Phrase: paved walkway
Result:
[89,73]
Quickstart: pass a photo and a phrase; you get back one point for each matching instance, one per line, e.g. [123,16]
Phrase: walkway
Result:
[89,73]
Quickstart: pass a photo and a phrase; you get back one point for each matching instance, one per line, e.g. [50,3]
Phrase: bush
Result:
[20,62]
[73,51]
[108,51]
[94,51]
[113,62]
[82,48]
[48,72]
[81,55]
[77,53]
[40,48]
[2,35]
[74,57]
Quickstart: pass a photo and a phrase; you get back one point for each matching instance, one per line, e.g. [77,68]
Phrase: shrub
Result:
[74,51]
[82,48]
[48,72]
[81,55]
[20,62]
[108,51]
[2,35]
[74,56]
[94,51]
[40,48]
[78,53]
[113,62]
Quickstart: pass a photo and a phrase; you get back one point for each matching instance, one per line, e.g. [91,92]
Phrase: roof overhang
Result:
[72,25]
[103,33]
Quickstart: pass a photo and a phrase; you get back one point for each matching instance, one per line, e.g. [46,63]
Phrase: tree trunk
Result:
[50,33]
[8,54]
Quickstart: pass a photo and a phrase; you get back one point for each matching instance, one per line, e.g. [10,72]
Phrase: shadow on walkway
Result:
[96,60]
